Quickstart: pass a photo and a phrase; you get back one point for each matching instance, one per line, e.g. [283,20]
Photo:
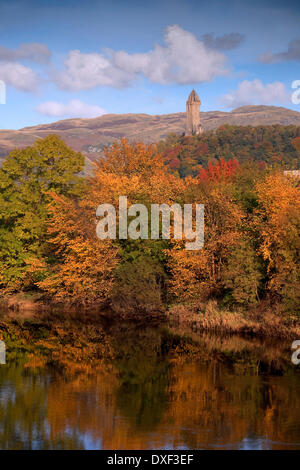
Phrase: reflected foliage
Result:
[98,383]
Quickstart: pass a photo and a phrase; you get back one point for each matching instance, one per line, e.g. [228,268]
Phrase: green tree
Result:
[26,177]
[243,274]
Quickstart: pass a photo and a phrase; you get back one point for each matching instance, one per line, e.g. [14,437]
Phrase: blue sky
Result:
[70,58]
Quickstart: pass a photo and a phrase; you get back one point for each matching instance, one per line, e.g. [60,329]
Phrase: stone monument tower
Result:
[193,125]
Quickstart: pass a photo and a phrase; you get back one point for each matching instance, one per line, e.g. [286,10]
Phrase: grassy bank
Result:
[256,323]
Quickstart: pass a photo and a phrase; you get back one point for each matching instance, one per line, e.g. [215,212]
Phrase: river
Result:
[93,382]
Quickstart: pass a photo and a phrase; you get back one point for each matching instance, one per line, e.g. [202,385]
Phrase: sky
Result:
[64,59]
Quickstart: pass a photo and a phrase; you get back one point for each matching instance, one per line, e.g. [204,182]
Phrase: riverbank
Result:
[256,323]
[210,318]
[24,302]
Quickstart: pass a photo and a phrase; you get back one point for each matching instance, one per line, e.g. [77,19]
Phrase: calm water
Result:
[97,384]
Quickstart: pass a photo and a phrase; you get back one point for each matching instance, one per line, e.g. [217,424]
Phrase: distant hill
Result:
[90,135]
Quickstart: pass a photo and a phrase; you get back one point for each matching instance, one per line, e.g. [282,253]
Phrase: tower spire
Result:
[193,125]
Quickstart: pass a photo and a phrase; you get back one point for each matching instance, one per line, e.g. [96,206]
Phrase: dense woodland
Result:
[276,145]
[250,258]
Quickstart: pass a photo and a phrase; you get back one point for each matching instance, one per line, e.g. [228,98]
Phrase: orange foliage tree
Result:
[80,266]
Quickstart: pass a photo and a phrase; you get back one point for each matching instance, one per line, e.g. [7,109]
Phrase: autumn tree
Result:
[137,171]
[80,266]
[296,144]
[278,225]
[197,275]
[84,266]
[221,171]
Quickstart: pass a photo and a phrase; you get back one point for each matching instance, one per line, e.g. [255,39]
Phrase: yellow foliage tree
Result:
[278,223]
[197,275]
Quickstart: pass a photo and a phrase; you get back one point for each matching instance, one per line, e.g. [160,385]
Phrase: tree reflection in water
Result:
[92,383]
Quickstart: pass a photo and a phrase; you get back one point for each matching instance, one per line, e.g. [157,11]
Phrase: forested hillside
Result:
[272,145]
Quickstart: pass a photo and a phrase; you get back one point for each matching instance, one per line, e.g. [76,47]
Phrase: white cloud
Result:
[85,71]
[33,51]
[75,108]
[17,75]
[183,59]
[255,92]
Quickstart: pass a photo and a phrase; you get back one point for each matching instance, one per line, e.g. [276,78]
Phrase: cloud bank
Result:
[255,92]
[183,59]
[75,108]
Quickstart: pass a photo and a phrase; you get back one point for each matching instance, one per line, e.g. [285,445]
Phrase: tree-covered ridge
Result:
[272,145]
